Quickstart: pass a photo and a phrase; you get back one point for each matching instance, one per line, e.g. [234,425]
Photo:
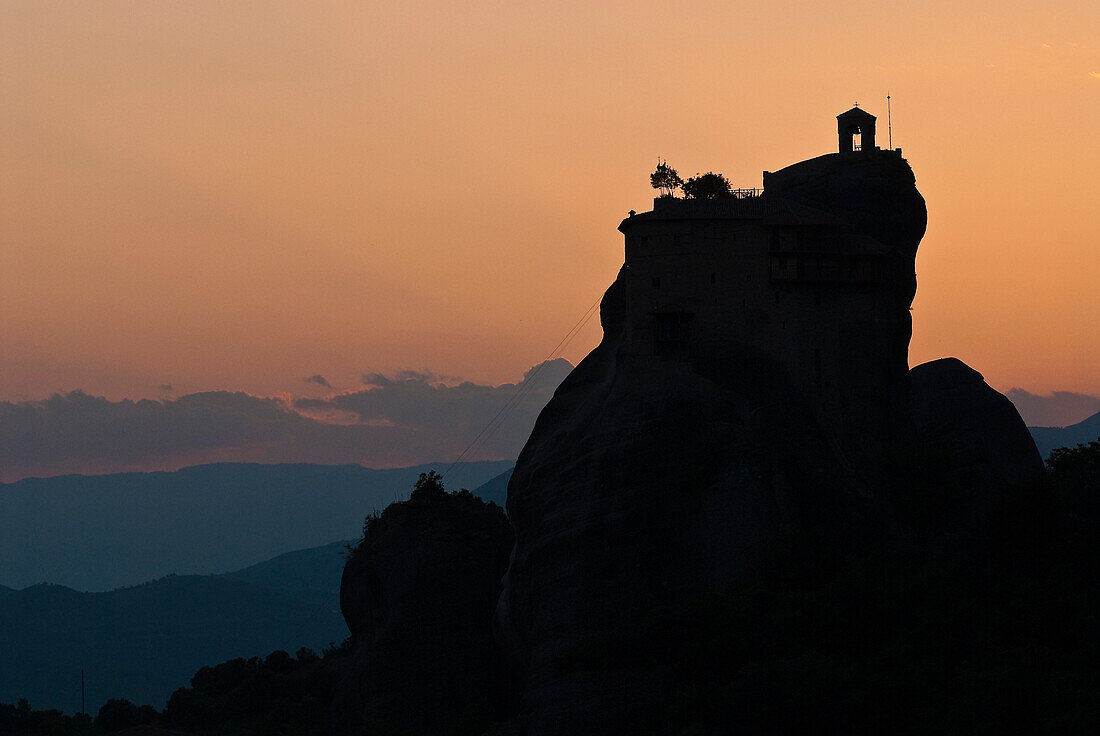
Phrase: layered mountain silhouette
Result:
[102,532]
[1051,438]
[143,642]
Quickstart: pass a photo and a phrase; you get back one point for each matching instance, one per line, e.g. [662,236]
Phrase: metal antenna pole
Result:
[889,123]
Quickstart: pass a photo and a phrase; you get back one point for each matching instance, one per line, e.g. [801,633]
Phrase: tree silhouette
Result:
[428,487]
[116,714]
[666,179]
[707,186]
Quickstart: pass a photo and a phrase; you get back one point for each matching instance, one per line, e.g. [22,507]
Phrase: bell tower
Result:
[852,123]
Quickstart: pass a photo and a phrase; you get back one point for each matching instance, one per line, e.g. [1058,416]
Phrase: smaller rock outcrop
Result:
[418,594]
[972,451]
[953,401]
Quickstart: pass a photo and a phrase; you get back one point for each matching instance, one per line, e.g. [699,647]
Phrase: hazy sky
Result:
[242,194]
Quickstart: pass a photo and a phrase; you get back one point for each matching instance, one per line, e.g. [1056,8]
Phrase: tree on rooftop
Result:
[707,186]
[666,179]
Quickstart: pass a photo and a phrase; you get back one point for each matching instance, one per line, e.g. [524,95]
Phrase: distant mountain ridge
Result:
[313,574]
[1051,438]
[103,532]
[495,489]
[142,642]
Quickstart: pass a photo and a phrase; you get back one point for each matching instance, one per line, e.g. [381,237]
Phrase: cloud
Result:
[1094,75]
[1058,409]
[423,376]
[405,420]
[78,433]
[415,376]
[375,379]
[454,414]
[318,379]
[165,387]
[421,399]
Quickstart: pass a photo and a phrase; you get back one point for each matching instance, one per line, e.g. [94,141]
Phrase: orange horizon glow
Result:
[239,195]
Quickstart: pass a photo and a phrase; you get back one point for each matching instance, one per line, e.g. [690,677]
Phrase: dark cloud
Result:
[318,379]
[78,433]
[413,399]
[395,422]
[375,379]
[1058,409]
[423,376]
[165,387]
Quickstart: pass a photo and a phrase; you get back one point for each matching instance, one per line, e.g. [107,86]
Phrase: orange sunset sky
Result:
[240,194]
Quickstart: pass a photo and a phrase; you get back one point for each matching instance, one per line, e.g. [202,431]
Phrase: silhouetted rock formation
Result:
[969,454]
[646,481]
[418,596]
[985,433]
[750,399]
[752,379]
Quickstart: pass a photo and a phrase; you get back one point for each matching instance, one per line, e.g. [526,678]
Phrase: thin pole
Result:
[889,123]
[82,708]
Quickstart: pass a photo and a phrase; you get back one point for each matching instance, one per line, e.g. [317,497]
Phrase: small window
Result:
[656,282]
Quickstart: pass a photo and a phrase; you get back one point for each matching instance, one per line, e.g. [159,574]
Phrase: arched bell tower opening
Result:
[856,130]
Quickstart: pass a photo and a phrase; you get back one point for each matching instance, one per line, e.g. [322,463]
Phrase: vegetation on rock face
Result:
[427,497]
[275,695]
[419,594]
[708,186]
[665,179]
[22,720]
[1075,472]
[701,186]
[278,694]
